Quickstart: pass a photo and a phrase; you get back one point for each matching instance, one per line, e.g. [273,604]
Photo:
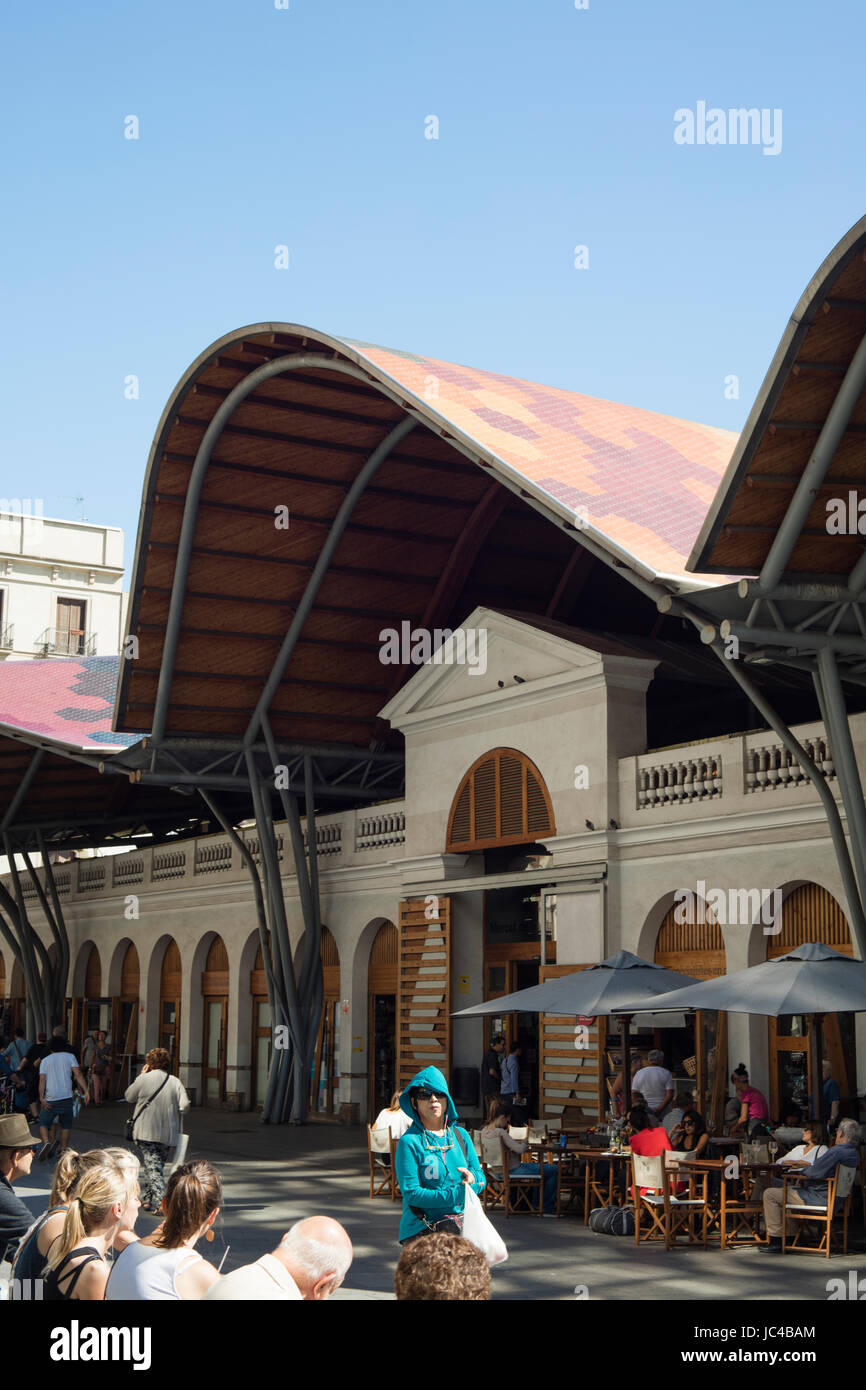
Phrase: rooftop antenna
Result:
[78,501]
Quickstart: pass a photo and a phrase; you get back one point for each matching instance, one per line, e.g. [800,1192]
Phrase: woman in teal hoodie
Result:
[435,1159]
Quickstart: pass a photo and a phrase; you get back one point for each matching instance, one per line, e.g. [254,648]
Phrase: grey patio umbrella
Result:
[813,980]
[611,987]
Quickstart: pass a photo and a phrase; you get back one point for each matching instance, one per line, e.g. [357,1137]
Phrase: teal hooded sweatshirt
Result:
[429,1179]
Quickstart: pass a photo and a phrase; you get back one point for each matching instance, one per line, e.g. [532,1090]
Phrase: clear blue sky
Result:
[305,126]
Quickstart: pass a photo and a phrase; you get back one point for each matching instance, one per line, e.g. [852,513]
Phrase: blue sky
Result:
[306,127]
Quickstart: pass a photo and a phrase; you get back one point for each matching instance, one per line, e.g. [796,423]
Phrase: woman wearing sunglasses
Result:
[436,1160]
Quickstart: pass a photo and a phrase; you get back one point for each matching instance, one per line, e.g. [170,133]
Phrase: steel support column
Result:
[829,688]
[276,367]
[832,430]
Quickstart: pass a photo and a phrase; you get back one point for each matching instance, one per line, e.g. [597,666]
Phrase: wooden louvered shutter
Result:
[810,913]
[93,977]
[502,800]
[424,988]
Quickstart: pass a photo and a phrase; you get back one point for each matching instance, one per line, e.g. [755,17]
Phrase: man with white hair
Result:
[655,1083]
[309,1263]
[844,1154]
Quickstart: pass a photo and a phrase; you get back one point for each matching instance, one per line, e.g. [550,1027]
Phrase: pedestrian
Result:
[105,1201]
[655,1083]
[17,1049]
[831,1096]
[159,1100]
[56,1073]
[510,1085]
[29,1072]
[165,1264]
[439,1268]
[16,1157]
[100,1063]
[491,1072]
[436,1160]
[310,1263]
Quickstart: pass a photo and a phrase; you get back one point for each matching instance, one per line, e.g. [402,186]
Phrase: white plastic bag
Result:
[481,1231]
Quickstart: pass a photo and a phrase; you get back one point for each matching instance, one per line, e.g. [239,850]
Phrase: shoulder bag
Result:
[131,1120]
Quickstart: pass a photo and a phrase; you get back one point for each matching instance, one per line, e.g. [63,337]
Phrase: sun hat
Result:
[15,1133]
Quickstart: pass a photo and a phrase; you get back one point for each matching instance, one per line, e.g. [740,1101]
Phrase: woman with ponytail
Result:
[106,1198]
[34,1248]
[165,1265]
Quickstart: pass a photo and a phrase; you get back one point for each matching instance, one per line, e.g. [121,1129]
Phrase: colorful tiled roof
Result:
[68,700]
[642,479]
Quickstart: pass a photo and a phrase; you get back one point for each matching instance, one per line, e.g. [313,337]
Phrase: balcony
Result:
[7,637]
[58,641]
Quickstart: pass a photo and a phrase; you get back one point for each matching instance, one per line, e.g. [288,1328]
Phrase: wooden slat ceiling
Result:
[431,537]
[774,448]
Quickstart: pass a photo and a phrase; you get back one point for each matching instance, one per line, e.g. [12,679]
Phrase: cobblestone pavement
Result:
[273,1175]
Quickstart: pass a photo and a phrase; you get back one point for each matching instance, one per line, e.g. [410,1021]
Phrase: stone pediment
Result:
[498,658]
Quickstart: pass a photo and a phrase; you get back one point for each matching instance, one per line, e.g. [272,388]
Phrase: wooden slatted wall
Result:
[570,1078]
[424,988]
[810,913]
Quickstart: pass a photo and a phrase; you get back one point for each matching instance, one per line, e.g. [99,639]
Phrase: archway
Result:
[809,913]
[255,1019]
[215,1007]
[89,1007]
[382,979]
[166,961]
[689,940]
[325,1074]
[124,987]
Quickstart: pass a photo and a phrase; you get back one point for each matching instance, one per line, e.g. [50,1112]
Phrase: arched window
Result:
[502,800]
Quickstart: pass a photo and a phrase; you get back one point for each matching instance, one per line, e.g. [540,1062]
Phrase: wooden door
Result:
[382,1018]
[70,626]
[169,1004]
[214,1049]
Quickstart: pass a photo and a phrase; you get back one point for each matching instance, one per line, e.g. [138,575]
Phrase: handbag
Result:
[453,1223]
[131,1119]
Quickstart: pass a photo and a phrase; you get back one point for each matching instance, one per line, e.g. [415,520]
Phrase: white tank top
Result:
[147,1272]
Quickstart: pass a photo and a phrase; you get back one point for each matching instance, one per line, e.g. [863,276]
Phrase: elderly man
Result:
[655,1083]
[16,1157]
[844,1154]
[309,1263]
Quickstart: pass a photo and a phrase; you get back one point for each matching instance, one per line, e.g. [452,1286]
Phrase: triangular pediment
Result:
[495,656]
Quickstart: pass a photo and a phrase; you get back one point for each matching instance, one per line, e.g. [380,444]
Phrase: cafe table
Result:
[733,1213]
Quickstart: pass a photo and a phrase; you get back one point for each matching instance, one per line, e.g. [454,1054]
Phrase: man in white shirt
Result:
[55,1092]
[309,1264]
[655,1083]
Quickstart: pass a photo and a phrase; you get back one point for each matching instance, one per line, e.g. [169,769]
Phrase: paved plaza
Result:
[274,1175]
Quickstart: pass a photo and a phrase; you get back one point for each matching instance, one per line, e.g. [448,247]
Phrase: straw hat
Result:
[15,1133]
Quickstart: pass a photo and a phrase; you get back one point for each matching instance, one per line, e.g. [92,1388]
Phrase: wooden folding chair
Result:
[839,1187]
[491,1165]
[570,1183]
[523,1191]
[600,1188]
[379,1143]
[670,1216]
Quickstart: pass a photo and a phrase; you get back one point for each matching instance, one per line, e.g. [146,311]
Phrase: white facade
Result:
[727,812]
[61,588]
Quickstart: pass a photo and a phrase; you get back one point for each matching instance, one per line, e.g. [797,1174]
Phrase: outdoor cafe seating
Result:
[797,1216]
[381,1147]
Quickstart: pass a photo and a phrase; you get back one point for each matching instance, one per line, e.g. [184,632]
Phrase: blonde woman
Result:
[71,1166]
[106,1197]
[392,1118]
[165,1265]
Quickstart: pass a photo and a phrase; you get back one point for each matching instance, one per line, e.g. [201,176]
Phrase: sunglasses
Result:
[429,1095]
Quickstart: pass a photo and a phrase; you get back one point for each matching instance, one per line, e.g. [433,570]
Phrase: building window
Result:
[70,637]
[502,800]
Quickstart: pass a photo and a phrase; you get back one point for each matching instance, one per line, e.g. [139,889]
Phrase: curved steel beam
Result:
[276,367]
